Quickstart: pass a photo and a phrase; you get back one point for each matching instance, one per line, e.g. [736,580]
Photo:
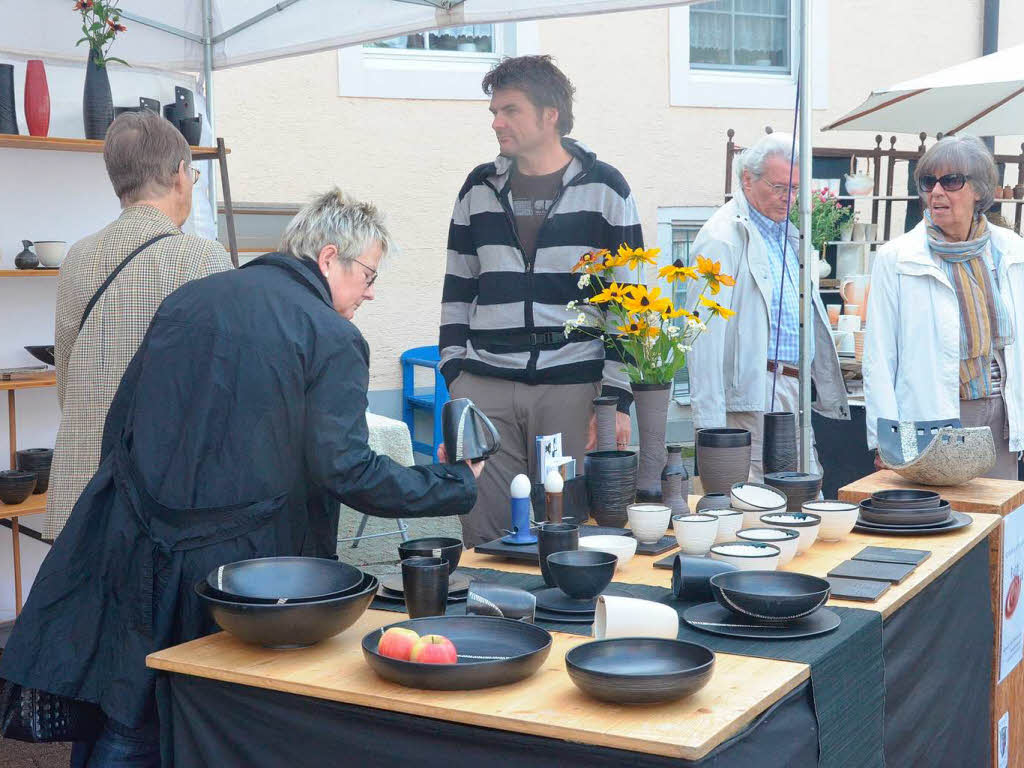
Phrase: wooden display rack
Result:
[987,496]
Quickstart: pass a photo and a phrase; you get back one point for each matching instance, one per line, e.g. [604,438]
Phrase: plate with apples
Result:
[456,653]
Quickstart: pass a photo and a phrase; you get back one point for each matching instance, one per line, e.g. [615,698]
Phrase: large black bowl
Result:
[897,516]
[904,499]
[291,625]
[16,485]
[582,574]
[492,651]
[285,578]
[770,596]
[447,548]
[42,353]
[640,670]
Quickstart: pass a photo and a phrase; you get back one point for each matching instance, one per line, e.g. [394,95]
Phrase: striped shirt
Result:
[773,234]
[495,297]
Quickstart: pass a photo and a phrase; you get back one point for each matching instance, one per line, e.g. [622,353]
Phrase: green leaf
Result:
[120,61]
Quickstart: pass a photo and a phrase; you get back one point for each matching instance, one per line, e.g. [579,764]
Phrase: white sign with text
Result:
[1011,612]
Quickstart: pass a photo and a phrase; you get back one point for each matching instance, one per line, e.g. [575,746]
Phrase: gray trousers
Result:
[991,412]
[520,412]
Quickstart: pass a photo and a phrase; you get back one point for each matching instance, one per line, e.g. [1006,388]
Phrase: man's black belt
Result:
[522,340]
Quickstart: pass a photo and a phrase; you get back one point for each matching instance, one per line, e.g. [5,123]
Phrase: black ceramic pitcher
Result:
[468,434]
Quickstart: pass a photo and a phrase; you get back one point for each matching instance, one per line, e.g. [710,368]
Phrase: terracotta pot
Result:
[611,485]
[604,412]
[675,482]
[651,418]
[723,458]
[778,450]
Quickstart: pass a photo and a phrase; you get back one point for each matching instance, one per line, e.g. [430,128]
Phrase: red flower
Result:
[83,5]
[115,26]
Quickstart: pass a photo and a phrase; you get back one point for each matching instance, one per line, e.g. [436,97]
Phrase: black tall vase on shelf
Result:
[779,451]
[8,113]
[97,103]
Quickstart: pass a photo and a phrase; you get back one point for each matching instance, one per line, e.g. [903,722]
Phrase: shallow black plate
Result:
[457,582]
[528,552]
[911,516]
[555,600]
[492,651]
[949,520]
[960,520]
[905,498]
[640,670]
[563,618]
[713,618]
[391,597]
[308,578]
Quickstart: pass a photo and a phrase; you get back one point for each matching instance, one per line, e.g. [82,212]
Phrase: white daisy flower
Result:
[584,281]
[571,306]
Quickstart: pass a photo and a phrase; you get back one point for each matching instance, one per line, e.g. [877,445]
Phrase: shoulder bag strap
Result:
[115,273]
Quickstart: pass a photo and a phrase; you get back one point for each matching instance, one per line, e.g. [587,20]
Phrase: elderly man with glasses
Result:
[99,325]
[749,366]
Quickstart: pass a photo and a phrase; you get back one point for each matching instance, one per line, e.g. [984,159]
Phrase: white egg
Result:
[520,487]
[553,482]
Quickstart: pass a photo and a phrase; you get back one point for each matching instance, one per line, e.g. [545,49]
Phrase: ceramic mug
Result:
[630,617]
[649,522]
[425,584]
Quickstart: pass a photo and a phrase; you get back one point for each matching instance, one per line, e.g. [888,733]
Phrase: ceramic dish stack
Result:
[756,499]
[908,512]
[392,588]
[580,576]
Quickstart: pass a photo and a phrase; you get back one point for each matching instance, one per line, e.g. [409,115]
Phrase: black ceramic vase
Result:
[651,418]
[26,259]
[97,103]
[675,482]
[611,485]
[778,450]
[723,458]
[8,112]
[604,413]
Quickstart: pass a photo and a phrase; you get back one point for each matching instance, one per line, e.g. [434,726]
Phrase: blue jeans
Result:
[119,746]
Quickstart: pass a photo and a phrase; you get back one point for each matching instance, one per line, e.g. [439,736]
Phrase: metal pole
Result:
[806,285]
[208,86]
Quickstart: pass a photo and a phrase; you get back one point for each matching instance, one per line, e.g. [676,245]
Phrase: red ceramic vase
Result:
[37,99]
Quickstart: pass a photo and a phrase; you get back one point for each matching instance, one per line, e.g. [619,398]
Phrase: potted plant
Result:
[101,24]
[649,334]
[828,218]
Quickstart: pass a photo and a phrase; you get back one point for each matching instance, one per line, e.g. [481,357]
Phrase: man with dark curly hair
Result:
[519,224]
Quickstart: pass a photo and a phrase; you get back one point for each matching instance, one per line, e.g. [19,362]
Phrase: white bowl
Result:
[806,523]
[695,533]
[648,522]
[729,521]
[786,539]
[747,555]
[837,518]
[755,496]
[50,252]
[623,547]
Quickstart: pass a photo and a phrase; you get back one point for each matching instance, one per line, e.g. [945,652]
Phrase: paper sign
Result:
[1011,607]
[1003,740]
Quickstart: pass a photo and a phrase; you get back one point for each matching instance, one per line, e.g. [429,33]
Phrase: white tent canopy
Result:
[248,31]
[981,96]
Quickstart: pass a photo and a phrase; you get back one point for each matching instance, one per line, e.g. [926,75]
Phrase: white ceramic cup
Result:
[50,252]
[837,518]
[695,533]
[784,538]
[740,554]
[623,547]
[648,522]
[849,322]
[729,521]
[630,617]
[808,529]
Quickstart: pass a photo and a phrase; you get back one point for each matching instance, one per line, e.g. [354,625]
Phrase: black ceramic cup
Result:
[723,458]
[488,599]
[425,583]
[555,537]
[468,434]
[691,577]
[447,548]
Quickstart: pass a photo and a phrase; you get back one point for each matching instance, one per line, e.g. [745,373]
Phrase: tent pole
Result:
[806,283]
[208,87]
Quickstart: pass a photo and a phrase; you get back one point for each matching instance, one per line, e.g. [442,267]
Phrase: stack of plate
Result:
[908,512]
[392,591]
[556,606]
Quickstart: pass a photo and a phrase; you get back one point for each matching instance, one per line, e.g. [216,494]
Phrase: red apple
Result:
[397,643]
[434,649]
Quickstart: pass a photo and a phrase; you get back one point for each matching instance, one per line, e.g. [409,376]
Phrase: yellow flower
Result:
[716,308]
[671,314]
[639,300]
[712,272]
[676,271]
[613,292]
[638,327]
[636,257]
[588,261]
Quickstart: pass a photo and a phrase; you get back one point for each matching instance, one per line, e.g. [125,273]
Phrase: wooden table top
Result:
[548,704]
[981,494]
[33,505]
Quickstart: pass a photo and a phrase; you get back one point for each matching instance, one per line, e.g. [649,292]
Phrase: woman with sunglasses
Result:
[943,337]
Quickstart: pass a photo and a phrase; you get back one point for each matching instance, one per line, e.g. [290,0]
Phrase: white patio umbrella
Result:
[981,96]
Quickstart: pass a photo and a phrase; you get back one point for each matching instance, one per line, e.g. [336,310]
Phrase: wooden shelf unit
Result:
[42,379]
[29,272]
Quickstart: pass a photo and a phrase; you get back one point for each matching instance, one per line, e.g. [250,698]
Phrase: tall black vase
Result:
[97,103]
[8,113]
[778,449]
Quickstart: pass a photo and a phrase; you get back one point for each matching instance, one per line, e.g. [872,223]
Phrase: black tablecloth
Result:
[937,651]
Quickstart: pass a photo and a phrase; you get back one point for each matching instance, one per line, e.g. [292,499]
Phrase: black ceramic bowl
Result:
[303,578]
[42,353]
[448,549]
[770,596]
[912,516]
[31,459]
[582,574]
[640,670]
[904,499]
[16,485]
[690,577]
[492,651]
[799,487]
[292,625]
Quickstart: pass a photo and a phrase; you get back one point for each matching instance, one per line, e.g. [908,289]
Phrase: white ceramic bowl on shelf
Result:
[50,252]
[747,555]
[837,518]
[648,522]
[623,547]
[695,533]
[806,523]
[786,539]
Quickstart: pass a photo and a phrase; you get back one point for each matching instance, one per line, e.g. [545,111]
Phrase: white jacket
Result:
[729,362]
[912,343]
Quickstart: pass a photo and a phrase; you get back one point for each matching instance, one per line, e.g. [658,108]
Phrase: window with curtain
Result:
[683,236]
[473,39]
[744,35]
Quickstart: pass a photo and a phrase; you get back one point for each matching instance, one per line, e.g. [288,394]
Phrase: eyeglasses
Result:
[951,182]
[782,191]
[195,175]
[370,278]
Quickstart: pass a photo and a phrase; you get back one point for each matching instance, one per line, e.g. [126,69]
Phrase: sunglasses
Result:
[951,182]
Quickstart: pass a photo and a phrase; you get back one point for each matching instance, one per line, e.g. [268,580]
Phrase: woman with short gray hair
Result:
[942,339]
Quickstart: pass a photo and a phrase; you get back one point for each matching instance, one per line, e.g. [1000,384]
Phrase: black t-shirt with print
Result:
[531,198]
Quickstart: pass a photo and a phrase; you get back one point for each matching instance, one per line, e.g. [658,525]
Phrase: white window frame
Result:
[386,73]
[742,88]
[745,68]
[668,218]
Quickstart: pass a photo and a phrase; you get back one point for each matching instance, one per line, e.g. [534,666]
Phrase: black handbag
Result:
[39,717]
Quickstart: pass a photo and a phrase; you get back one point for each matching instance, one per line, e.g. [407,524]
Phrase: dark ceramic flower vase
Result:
[723,458]
[779,448]
[651,402]
[8,112]
[611,485]
[604,413]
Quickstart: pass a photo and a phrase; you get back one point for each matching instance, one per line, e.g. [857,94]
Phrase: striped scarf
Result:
[984,322]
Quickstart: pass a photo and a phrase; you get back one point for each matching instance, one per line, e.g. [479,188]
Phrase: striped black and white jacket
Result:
[502,314]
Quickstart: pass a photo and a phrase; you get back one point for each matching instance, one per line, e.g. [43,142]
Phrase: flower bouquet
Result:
[828,217]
